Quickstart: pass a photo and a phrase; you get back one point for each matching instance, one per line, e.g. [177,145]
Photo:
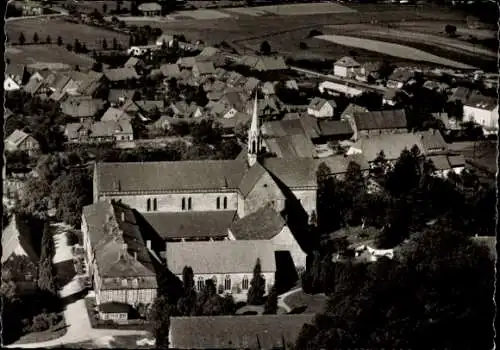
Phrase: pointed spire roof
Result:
[255,122]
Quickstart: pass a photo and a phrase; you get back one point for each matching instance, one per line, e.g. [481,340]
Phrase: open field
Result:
[391,49]
[90,6]
[28,54]
[437,27]
[58,26]
[292,9]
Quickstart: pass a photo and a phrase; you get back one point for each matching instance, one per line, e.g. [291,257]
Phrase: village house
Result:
[268,225]
[170,70]
[389,97]
[10,84]
[265,63]
[228,263]
[166,39]
[16,75]
[399,78]
[234,79]
[118,97]
[345,67]
[150,9]
[99,132]
[186,62]
[378,122]
[350,110]
[36,87]
[321,108]
[182,109]
[121,74]
[237,332]
[333,88]
[230,125]
[122,267]
[114,114]
[461,94]
[81,107]
[446,163]
[269,88]
[429,142]
[21,141]
[32,8]
[269,107]
[202,69]
[368,72]
[482,110]
[250,85]
[17,242]
[135,63]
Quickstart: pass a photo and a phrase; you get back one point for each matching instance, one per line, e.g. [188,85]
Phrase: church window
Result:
[200,284]
[155,204]
[183,203]
[189,203]
[244,283]
[218,202]
[254,147]
[148,204]
[225,202]
[227,283]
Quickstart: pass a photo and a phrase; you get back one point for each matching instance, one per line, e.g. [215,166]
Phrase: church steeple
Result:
[254,135]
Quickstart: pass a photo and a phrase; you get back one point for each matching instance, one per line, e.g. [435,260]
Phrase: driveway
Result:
[282,297]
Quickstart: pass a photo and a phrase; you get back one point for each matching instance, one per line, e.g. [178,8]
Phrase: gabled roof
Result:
[334,128]
[401,75]
[481,102]
[132,62]
[33,86]
[388,119]
[115,114]
[186,62]
[204,67]
[264,224]
[169,176]
[114,95]
[251,84]
[149,105]
[351,109]
[191,225]
[16,138]
[460,93]
[236,332]
[292,146]
[170,70]
[120,74]
[347,62]
[209,51]
[111,226]
[250,178]
[81,106]
[317,103]
[16,242]
[220,257]
[265,63]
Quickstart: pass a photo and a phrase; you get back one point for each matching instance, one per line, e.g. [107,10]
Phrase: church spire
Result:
[254,135]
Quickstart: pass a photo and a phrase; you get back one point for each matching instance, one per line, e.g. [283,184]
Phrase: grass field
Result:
[292,9]
[28,54]
[391,49]
[54,332]
[58,26]
[120,342]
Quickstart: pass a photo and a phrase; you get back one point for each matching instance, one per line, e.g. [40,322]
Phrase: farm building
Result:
[150,9]
[265,63]
[399,78]
[236,332]
[378,122]
[165,38]
[102,131]
[21,141]
[321,108]
[10,84]
[482,110]
[203,69]
[337,88]
[81,106]
[345,67]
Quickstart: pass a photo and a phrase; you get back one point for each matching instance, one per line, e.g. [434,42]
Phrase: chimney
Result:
[148,244]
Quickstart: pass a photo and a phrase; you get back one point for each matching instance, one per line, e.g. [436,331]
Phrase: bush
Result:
[72,238]
[303,46]
[44,321]
[451,30]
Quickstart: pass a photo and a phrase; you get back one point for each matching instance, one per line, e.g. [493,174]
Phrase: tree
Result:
[21,39]
[327,211]
[35,38]
[115,44]
[187,303]
[69,47]
[97,66]
[77,46]
[59,41]
[104,8]
[451,30]
[271,305]
[161,311]
[46,277]
[257,286]
[131,41]
[48,40]
[104,44]
[303,46]
[265,48]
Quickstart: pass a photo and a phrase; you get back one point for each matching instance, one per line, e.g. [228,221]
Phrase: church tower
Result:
[254,140]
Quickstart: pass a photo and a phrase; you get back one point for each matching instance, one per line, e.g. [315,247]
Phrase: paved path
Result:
[281,298]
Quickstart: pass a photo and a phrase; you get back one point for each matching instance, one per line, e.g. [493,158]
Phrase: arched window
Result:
[218,202]
[254,147]
[244,283]
[155,204]
[215,280]
[227,283]
[200,284]
[225,202]
[183,203]
[148,204]
[189,203]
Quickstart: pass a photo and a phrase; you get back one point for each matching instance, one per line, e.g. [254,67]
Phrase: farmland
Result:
[292,10]
[391,49]
[68,31]
[29,54]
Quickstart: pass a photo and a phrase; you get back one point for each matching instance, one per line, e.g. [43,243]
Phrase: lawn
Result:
[392,49]
[293,9]
[119,342]
[29,54]
[58,26]
[311,303]
[54,332]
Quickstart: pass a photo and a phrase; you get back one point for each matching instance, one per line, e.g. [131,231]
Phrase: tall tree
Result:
[21,39]
[257,286]
[59,41]
[327,212]
[35,38]
[271,305]
[161,311]
[187,303]
[48,40]
[104,44]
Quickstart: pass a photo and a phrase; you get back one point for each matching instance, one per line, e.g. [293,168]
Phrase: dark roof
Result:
[118,244]
[460,93]
[120,74]
[292,146]
[236,332]
[334,128]
[220,257]
[347,61]
[81,106]
[114,95]
[191,224]
[250,178]
[19,242]
[401,75]
[114,308]
[169,176]
[352,109]
[170,70]
[265,223]
[294,172]
[389,119]
[481,102]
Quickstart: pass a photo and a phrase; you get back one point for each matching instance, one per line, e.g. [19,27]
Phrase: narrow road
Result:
[281,299]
